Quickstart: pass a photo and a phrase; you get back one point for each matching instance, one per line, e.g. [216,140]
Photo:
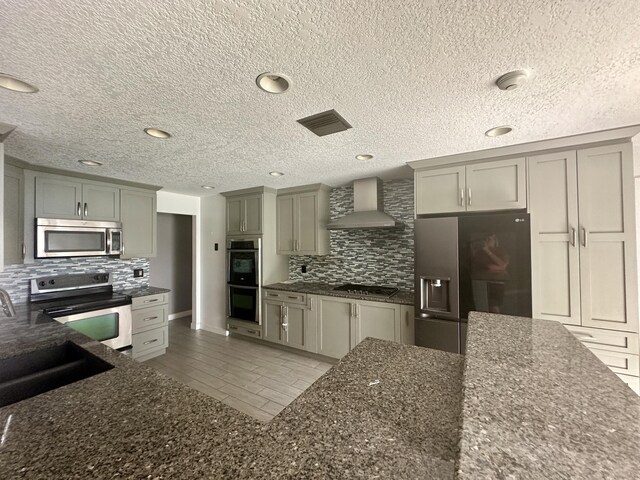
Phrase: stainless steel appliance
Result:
[77,238]
[243,278]
[87,303]
[478,262]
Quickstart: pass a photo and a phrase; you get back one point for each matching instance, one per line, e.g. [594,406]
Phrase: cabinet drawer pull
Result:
[581,336]
[150,318]
[151,301]
[150,341]
[293,297]
[231,327]
[253,332]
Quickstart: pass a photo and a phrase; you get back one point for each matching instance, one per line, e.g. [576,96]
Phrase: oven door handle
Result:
[244,287]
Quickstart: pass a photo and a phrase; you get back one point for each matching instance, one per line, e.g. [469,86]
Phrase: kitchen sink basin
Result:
[28,375]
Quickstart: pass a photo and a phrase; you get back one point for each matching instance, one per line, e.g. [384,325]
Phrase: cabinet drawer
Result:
[149,301]
[611,340]
[148,318]
[633,382]
[288,297]
[250,332]
[618,362]
[147,342]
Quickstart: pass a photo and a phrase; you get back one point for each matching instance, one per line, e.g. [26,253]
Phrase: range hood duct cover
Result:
[368,211]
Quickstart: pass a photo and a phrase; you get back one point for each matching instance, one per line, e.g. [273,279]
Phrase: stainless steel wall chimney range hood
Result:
[367,208]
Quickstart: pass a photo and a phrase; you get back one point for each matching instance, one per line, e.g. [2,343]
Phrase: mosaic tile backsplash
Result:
[373,257]
[15,278]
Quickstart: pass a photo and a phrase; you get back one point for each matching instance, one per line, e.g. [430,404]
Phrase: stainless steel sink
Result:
[28,375]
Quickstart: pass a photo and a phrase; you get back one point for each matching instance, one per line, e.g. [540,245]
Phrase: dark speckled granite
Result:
[540,405]
[403,297]
[536,404]
[144,291]
[343,426]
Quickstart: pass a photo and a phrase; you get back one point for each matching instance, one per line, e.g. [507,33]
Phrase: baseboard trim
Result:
[218,330]
[186,313]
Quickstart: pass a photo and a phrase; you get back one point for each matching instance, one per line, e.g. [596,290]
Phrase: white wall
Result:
[209,306]
[213,264]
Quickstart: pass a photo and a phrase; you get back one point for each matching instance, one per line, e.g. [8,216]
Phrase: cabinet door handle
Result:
[584,237]
[79,209]
[573,237]
[150,341]
[86,209]
[468,195]
[462,197]
[150,318]
[24,250]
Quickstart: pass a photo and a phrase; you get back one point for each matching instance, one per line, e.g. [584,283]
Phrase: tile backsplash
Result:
[15,278]
[374,256]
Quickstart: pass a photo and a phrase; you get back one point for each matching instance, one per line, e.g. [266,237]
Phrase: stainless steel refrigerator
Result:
[472,262]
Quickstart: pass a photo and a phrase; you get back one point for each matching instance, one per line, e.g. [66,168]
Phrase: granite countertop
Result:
[528,401]
[538,404]
[144,291]
[133,422]
[403,297]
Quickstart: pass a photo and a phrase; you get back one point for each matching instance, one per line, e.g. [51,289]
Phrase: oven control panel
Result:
[70,282]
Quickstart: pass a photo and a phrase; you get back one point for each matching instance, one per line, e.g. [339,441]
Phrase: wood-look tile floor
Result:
[253,378]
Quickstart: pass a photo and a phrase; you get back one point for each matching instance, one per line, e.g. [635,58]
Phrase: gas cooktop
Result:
[357,289]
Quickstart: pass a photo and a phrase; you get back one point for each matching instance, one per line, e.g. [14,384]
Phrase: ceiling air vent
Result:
[325,123]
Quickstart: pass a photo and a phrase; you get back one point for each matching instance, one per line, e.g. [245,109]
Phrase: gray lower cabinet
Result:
[14,246]
[290,319]
[343,323]
[64,197]
[139,224]
[150,332]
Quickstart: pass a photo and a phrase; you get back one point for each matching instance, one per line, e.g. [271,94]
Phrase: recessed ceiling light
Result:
[512,80]
[15,84]
[208,187]
[276,174]
[156,132]
[364,156]
[497,131]
[273,82]
[90,163]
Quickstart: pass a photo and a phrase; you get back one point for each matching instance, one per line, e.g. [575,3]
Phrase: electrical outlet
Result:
[138,272]
[215,246]
[304,269]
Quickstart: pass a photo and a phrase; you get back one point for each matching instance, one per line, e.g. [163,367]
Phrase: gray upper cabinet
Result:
[60,197]
[14,246]
[302,214]
[486,186]
[244,215]
[139,223]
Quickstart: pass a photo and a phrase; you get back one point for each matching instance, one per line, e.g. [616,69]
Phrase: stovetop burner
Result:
[77,293]
[357,289]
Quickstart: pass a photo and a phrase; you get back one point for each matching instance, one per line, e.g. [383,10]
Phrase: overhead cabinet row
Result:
[30,194]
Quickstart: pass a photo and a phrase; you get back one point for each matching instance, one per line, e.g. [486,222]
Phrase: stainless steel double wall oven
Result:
[243,278]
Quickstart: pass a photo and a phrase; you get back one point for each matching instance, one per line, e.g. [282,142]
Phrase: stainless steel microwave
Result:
[77,238]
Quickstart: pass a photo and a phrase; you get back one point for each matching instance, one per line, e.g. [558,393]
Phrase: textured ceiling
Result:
[414,78]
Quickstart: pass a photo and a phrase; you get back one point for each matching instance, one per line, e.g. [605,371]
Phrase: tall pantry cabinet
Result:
[584,249]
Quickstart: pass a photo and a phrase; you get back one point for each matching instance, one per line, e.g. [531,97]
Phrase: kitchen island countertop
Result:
[529,401]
